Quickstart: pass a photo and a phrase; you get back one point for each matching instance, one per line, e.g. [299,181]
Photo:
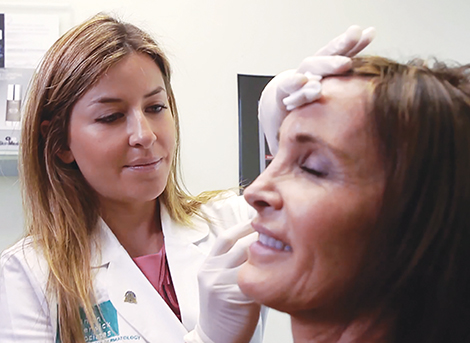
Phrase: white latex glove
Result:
[226,314]
[294,88]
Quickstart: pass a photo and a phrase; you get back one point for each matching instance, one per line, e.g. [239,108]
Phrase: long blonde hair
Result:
[61,209]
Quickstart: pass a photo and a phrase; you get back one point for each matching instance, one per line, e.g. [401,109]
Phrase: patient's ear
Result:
[65,155]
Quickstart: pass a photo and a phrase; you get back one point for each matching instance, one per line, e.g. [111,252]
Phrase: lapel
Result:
[149,316]
[185,255]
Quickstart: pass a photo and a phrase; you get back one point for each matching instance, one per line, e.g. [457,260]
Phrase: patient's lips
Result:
[269,242]
[273,243]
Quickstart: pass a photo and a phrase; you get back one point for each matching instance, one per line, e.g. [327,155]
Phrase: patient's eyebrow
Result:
[304,137]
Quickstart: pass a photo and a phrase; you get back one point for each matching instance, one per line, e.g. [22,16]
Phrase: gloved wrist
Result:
[197,336]
[226,315]
[272,110]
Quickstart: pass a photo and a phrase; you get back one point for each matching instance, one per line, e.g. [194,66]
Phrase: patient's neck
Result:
[318,328]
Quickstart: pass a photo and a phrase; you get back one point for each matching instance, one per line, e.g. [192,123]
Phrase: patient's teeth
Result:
[273,243]
[279,245]
[263,238]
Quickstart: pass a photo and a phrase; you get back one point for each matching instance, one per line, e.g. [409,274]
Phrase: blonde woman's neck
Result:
[137,226]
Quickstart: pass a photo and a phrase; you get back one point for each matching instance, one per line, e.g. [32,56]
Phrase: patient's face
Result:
[317,203]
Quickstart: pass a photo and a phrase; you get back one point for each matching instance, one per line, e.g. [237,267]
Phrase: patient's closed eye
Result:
[313,171]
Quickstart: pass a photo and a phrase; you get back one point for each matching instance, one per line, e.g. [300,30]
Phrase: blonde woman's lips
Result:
[144,164]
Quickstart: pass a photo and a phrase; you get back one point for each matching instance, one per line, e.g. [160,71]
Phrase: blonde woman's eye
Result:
[109,118]
[156,108]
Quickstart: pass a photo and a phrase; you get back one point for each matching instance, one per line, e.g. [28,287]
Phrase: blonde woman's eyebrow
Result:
[157,90]
[109,99]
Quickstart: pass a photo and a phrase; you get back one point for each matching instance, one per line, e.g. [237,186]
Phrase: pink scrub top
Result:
[156,270]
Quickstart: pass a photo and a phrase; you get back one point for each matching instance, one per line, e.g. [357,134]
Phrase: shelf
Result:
[9,155]
[8,163]
[8,152]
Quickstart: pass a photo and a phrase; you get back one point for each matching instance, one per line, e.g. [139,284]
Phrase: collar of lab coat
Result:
[171,229]
[184,258]
[107,243]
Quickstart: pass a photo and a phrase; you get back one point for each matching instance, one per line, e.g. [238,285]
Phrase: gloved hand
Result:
[294,88]
[226,315]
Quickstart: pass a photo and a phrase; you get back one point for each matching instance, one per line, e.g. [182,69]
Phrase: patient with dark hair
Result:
[363,215]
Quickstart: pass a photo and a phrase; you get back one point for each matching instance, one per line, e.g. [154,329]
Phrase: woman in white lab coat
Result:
[99,147]
[113,243]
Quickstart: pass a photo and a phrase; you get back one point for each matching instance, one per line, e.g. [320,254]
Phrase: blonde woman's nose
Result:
[140,131]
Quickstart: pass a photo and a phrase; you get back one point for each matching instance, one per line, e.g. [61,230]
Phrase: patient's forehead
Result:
[340,120]
[340,87]
[339,113]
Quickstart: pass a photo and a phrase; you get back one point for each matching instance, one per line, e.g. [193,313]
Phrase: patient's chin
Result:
[251,282]
[261,287]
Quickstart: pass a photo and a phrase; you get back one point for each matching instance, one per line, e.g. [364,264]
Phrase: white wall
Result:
[210,41]
[11,220]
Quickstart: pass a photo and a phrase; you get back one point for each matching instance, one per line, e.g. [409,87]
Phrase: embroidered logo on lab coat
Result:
[106,319]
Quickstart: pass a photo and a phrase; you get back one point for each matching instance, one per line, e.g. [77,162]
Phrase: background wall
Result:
[210,41]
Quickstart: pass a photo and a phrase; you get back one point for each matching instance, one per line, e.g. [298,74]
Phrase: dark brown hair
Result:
[417,270]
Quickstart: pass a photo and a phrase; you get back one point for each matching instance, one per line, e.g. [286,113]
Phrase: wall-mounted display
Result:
[25,37]
[2,40]
[26,32]
[254,153]
[13,84]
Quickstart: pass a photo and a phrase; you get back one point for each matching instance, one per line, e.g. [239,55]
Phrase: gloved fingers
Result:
[307,94]
[273,91]
[215,278]
[233,258]
[312,77]
[367,36]
[342,44]
[349,43]
[234,295]
[325,65]
[292,82]
[229,237]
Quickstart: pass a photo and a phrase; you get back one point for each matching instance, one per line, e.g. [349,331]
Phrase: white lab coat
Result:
[26,315]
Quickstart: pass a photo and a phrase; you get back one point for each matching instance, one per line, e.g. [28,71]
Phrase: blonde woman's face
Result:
[122,133]
[317,203]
